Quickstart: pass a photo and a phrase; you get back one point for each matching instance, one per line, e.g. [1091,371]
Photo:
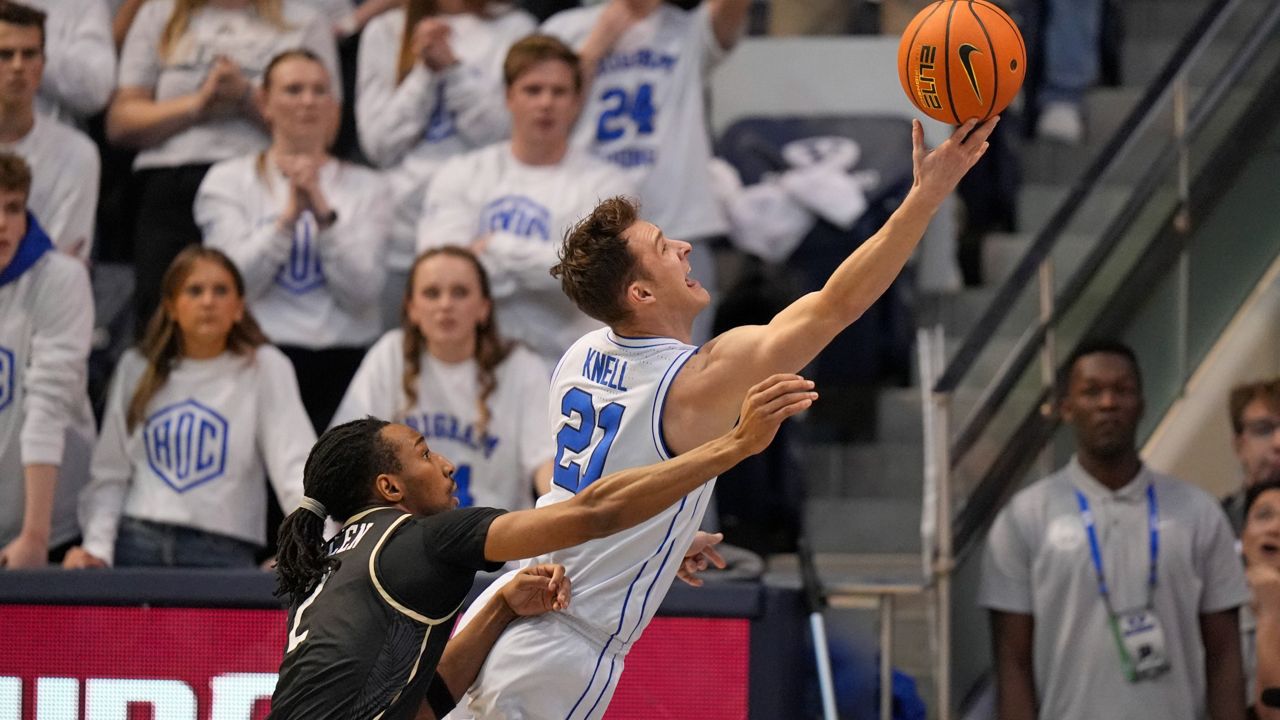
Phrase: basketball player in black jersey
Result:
[371,611]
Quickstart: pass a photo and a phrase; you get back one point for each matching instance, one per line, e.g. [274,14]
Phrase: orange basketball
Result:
[961,59]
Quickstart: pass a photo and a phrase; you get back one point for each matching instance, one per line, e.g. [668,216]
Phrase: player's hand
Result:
[701,553]
[767,405]
[77,558]
[1264,586]
[25,552]
[538,589]
[938,171]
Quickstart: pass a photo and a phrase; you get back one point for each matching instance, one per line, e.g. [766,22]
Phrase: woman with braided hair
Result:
[370,611]
[447,373]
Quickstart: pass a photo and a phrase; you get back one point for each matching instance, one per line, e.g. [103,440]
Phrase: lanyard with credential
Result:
[1095,552]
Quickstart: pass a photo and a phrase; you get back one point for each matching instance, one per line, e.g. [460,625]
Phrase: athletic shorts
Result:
[542,669]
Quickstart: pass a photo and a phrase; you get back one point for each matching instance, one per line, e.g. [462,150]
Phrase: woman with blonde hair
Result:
[447,373]
[198,416]
[308,232]
[184,100]
[429,87]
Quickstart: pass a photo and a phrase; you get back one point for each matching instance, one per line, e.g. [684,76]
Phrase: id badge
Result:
[1143,640]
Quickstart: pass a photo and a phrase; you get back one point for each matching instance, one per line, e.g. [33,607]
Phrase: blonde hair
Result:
[271,11]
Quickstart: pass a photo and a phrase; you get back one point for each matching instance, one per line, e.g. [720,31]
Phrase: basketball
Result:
[961,59]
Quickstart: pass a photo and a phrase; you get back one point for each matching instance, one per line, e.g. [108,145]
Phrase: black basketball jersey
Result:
[364,644]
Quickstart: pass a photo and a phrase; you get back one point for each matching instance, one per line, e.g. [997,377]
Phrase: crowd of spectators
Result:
[268,261]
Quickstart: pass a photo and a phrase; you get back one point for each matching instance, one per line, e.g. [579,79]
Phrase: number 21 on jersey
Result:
[577,404]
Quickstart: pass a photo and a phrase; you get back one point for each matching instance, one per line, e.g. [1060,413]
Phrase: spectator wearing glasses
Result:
[1255,424]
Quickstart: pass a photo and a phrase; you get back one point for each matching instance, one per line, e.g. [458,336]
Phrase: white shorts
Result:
[542,669]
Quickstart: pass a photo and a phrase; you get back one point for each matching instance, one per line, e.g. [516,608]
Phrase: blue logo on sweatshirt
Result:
[6,377]
[518,215]
[302,272]
[186,444]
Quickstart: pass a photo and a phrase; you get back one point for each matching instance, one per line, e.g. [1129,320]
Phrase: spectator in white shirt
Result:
[429,87]
[308,232]
[185,101]
[512,202]
[447,373]
[46,426]
[64,162]
[80,59]
[198,417]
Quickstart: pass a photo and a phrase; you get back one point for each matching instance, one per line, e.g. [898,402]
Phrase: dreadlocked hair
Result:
[337,475]
[491,349]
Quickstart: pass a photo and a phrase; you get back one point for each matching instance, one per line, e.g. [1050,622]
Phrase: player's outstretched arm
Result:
[722,370]
[624,499]
[533,591]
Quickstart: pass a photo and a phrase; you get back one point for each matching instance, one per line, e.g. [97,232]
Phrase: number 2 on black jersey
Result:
[578,402]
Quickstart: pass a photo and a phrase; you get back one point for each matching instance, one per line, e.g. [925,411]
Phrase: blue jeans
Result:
[1073,33]
[141,543]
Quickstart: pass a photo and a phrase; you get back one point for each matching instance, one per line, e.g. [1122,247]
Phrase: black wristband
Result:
[439,698]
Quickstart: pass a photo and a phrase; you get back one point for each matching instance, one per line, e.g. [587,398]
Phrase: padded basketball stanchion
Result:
[816,600]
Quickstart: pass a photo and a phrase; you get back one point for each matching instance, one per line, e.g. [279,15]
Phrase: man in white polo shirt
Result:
[1113,588]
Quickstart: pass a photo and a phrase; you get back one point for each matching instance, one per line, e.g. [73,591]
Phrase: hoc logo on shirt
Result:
[518,215]
[302,272]
[6,377]
[186,444]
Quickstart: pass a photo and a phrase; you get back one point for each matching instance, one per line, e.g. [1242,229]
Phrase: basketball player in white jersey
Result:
[637,391]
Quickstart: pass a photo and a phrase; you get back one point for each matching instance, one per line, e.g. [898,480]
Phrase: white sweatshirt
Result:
[646,111]
[313,288]
[201,456]
[492,470]
[46,320]
[80,58]
[237,34]
[64,182]
[410,128]
[524,211]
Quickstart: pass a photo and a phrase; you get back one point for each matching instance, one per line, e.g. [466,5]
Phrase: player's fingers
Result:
[774,410]
[917,142]
[781,386]
[963,131]
[715,557]
[770,384]
[557,577]
[564,593]
[982,132]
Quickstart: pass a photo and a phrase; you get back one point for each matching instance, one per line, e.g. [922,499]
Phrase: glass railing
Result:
[1098,260]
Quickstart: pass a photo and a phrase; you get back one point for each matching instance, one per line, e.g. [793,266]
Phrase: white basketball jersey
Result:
[606,404]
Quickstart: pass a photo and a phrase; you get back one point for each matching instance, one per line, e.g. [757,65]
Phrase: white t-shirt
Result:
[646,112]
[64,182]
[46,320]
[240,35]
[80,58]
[312,288]
[493,469]
[201,456]
[1038,563]
[524,210]
[410,128]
